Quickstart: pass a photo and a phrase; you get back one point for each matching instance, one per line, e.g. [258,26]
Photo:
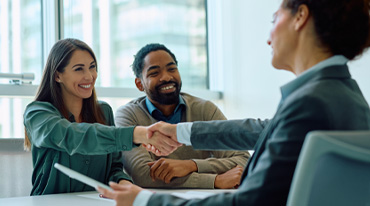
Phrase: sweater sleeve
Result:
[46,128]
[136,164]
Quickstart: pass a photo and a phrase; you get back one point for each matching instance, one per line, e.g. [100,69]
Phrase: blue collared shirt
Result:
[158,115]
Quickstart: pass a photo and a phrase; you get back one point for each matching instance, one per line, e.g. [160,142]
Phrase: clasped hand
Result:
[165,169]
[159,138]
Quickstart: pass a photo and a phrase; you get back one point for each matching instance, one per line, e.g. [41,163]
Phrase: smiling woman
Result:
[67,125]
[77,81]
[62,76]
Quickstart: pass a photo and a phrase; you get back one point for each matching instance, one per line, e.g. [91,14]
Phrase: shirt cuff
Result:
[183,131]
[142,198]
[122,136]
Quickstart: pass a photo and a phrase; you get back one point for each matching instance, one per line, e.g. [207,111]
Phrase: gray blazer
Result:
[331,100]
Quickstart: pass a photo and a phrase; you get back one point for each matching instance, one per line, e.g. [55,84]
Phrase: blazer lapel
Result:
[258,149]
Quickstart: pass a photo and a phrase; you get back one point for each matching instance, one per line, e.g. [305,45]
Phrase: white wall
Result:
[360,70]
[240,59]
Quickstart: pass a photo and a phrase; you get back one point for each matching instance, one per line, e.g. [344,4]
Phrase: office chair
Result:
[15,169]
[333,169]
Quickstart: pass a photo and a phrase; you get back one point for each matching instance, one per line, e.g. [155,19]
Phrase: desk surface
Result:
[86,198]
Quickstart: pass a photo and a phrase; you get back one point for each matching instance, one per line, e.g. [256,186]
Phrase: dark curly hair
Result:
[138,64]
[342,26]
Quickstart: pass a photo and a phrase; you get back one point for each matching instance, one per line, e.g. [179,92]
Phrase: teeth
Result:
[85,86]
[168,87]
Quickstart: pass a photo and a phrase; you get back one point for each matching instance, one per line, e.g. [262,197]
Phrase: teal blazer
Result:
[330,100]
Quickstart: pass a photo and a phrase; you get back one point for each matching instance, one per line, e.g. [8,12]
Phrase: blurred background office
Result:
[220,45]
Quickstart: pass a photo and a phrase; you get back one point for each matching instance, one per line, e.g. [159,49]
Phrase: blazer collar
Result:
[334,67]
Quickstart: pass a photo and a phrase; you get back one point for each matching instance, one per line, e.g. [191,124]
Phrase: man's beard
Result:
[166,98]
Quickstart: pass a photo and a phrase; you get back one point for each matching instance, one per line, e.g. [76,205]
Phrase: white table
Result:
[87,198]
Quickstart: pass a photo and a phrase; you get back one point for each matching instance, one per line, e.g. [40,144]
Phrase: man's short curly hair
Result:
[138,64]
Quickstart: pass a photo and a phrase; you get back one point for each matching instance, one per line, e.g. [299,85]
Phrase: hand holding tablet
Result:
[80,177]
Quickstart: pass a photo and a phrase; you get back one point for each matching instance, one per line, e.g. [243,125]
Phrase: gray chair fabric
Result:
[333,169]
[15,169]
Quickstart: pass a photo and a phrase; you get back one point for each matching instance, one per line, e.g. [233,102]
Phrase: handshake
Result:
[159,138]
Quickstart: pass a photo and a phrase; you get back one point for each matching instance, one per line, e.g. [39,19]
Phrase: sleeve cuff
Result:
[125,178]
[208,181]
[203,166]
[142,198]
[124,139]
[183,131]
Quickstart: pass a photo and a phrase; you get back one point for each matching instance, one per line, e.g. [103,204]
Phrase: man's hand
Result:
[229,179]
[159,144]
[164,128]
[122,194]
[166,169]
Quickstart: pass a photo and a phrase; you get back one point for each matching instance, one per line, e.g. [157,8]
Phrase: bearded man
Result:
[157,74]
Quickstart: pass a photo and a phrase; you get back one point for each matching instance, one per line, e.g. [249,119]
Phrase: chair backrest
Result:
[333,169]
[15,169]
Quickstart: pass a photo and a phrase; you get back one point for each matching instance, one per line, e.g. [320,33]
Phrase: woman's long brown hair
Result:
[50,91]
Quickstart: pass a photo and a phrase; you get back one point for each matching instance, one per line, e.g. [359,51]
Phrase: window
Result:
[20,37]
[115,29]
[20,52]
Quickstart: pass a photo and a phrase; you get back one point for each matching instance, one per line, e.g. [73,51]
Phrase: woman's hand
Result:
[158,143]
[167,129]
[164,128]
[124,182]
[123,194]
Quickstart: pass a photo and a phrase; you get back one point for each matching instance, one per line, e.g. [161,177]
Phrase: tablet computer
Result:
[80,177]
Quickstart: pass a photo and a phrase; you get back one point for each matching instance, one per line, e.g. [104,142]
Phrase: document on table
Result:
[192,194]
[95,196]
